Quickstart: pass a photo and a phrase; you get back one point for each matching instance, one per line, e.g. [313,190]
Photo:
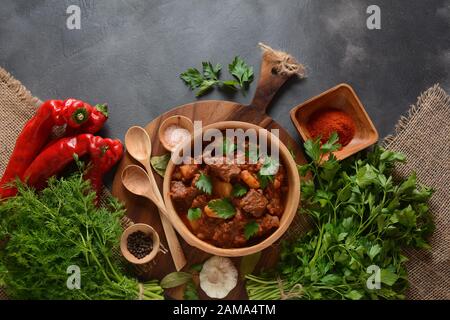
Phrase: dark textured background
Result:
[129,53]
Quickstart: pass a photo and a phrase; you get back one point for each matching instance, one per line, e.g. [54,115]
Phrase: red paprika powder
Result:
[326,121]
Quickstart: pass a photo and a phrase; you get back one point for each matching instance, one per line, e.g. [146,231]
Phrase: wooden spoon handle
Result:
[176,251]
[178,257]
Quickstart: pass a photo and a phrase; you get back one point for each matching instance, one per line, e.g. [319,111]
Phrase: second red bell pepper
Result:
[104,154]
[55,157]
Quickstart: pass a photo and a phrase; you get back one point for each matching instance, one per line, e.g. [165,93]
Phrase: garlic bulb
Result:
[218,277]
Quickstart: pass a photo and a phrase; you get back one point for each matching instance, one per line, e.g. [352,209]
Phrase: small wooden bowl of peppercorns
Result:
[139,243]
[336,110]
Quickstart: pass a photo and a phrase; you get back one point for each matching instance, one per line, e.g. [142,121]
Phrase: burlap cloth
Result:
[423,135]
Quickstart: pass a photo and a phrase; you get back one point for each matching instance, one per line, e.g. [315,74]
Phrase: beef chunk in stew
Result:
[254,202]
[275,206]
[224,171]
[182,195]
[200,201]
[176,175]
[266,224]
[279,178]
[206,227]
[251,167]
[231,234]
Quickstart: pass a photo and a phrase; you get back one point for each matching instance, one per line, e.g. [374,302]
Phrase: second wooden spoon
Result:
[139,146]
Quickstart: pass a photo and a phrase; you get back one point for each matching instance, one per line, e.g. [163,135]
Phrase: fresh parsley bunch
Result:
[44,233]
[206,80]
[361,216]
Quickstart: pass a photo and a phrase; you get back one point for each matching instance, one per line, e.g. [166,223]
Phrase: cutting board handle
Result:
[276,67]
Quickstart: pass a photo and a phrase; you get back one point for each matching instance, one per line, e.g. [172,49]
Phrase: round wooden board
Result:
[142,210]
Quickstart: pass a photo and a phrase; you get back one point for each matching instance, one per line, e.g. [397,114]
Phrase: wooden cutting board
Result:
[142,210]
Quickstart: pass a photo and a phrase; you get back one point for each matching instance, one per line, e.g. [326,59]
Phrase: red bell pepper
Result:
[75,113]
[37,132]
[55,157]
[104,154]
[97,119]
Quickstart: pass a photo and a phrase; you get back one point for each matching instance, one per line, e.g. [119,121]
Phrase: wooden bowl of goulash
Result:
[235,196]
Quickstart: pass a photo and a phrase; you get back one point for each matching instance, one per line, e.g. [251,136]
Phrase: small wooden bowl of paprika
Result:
[337,109]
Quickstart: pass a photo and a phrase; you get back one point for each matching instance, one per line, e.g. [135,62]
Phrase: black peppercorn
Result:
[139,244]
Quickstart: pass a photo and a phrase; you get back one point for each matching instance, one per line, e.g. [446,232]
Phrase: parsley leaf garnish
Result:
[194,213]
[264,180]
[206,80]
[312,149]
[204,184]
[223,208]
[268,170]
[270,167]
[316,151]
[211,72]
[241,71]
[238,190]
[251,229]
[228,147]
[332,144]
[192,77]
[206,86]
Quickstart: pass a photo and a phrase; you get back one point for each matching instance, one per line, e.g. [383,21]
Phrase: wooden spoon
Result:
[139,146]
[136,180]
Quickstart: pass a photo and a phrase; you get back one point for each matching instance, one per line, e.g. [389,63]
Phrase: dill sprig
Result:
[43,233]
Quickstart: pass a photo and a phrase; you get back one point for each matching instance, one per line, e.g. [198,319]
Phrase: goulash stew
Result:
[230,203]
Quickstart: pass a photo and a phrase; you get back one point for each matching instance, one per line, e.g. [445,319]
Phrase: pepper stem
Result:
[80,115]
[103,108]
[103,149]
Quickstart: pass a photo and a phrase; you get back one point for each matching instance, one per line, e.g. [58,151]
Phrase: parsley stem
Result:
[319,243]
[370,220]
[332,289]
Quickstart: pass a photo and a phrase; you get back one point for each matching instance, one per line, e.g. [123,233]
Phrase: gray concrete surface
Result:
[130,53]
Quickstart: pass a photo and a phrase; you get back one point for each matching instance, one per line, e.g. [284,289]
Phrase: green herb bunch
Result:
[205,81]
[361,217]
[44,233]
